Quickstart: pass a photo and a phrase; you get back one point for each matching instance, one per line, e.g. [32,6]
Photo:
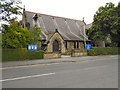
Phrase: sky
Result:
[74,9]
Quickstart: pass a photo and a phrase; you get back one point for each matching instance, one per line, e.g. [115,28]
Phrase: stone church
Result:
[59,34]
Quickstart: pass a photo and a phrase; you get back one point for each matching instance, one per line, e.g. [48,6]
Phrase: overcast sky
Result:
[75,9]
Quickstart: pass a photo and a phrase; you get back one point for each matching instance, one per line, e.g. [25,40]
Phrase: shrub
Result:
[103,51]
[20,54]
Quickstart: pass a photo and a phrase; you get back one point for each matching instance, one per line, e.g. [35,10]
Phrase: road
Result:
[100,72]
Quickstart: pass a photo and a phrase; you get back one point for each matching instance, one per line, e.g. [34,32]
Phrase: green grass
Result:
[20,54]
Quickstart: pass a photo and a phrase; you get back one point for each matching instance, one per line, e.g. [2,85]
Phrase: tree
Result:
[9,9]
[106,24]
[115,32]
[14,36]
[0,38]
[36,35]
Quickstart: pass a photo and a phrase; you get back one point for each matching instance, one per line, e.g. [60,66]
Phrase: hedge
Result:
[103,51]
[20,54]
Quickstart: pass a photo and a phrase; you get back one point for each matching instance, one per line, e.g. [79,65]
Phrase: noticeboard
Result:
[32,47]
[88,46]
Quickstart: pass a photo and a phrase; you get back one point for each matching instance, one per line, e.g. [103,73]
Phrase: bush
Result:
[20,54]
[103,51]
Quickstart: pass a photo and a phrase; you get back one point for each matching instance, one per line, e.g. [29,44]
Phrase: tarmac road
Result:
[85,72]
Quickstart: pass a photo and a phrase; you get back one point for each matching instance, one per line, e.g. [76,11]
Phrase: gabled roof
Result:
[56,31]
[70,29]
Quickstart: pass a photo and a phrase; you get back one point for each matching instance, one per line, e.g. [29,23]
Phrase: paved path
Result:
[84,72]
[45,61]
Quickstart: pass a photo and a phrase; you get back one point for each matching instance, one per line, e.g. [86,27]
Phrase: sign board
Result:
[32,47]
[88,46]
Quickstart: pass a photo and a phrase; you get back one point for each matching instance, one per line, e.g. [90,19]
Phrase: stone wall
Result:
[70,45]
[76,53]
[79,54]
[52,55]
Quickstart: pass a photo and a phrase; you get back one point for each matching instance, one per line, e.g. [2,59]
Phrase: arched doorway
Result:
[55,45]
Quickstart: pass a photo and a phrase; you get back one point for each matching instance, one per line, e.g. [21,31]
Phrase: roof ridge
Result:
[53,16]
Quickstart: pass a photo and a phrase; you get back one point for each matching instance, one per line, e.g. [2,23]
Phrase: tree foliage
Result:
[36,34]
[0,38]
[14,36]
[106,24]
[8,10]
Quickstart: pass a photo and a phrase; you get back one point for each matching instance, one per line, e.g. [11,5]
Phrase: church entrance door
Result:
[55,46]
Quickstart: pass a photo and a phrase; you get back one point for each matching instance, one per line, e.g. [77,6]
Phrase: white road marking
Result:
[27,77]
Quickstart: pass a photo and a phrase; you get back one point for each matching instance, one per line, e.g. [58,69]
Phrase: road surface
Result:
[92,72]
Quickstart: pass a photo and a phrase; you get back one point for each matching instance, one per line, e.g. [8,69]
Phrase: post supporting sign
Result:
[88,46]
[32,47]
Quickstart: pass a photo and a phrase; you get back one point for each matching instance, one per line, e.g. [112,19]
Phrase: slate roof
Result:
[70,29]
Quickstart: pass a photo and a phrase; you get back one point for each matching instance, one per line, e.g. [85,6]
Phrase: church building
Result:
[59,34]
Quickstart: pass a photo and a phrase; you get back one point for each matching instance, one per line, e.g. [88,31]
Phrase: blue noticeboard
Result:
[88,46]
[32,47]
